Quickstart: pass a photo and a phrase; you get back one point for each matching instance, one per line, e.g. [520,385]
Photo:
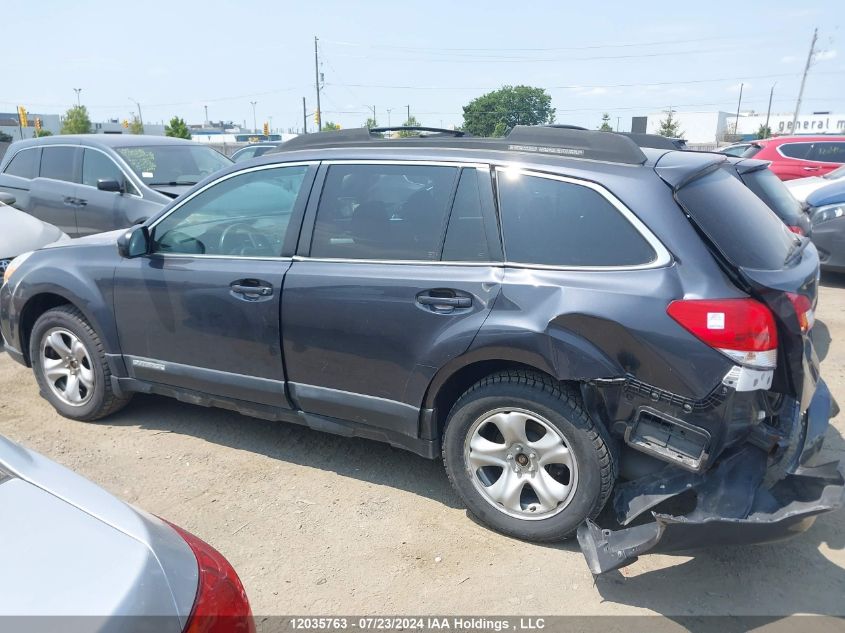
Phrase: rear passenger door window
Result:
[383,211]
[800,151]
[827,152]
[554,222]
[60,163]
[24,164]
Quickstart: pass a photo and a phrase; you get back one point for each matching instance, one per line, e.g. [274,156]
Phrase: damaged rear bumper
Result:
[734,502]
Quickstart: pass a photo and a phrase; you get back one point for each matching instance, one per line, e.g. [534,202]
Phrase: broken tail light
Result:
[742,329]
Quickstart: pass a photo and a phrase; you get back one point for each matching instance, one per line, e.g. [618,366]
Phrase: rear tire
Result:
[525,457]
[69,363]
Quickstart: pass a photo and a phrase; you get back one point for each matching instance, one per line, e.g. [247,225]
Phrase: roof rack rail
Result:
[440,131]
[576,143]
[563,141]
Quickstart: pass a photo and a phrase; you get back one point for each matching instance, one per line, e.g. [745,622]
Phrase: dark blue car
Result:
[826,207]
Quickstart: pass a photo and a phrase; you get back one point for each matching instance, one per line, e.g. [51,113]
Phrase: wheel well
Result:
[33,309]
[464,378]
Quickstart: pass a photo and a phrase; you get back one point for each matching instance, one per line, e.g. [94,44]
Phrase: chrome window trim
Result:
[204,256]
[217,181]
[662,255]
[409,262]
[420,162]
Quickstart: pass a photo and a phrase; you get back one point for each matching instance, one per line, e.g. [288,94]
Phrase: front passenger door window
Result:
[242,215]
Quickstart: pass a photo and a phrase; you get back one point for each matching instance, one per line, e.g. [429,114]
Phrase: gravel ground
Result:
[318,524]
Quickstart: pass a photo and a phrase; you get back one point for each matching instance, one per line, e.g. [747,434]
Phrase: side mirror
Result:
[104,184]
[135,242]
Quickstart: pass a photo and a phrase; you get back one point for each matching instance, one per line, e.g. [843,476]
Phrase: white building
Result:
[696,127]
[815,123]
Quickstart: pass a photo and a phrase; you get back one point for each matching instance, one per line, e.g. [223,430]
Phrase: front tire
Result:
[525,457]
[70,365]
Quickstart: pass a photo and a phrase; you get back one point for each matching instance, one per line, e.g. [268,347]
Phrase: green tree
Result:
[5,138]
[764,131]
[605,123]
[670,126]
[177,128]
[495,113]
[135,126]
[330,126]
[411,122]
[76,121]
[370,123]
[43,132]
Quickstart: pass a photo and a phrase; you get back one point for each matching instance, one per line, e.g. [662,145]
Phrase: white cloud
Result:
[735,87]
[584,91]
[823,56]
[788,59]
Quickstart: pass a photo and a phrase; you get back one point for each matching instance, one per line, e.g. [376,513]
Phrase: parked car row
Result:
[566,318]
[92,183]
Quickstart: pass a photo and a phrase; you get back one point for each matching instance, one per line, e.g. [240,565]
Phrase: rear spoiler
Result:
[678,169]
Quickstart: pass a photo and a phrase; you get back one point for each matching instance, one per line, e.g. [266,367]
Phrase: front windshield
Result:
[836,174]
[173,164]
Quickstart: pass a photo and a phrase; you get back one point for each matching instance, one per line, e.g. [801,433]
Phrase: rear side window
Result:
[738,223]
[58,163]
[24,164]
[383,212]
[796,150]
[546,221]
[828,152]
[466,237]
[771,190]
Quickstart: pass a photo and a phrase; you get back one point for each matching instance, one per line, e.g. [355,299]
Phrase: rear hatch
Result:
[759,253]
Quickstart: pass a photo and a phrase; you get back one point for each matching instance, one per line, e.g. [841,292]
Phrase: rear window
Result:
[771,190]
[555,223]
[24,164]
[742,227]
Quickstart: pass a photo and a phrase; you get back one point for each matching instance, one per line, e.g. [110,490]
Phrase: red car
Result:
[799,156]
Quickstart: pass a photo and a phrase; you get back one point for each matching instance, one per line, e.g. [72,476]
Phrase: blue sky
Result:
[624,58]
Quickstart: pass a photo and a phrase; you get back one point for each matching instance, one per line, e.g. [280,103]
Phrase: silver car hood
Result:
[21,232]
[70,548]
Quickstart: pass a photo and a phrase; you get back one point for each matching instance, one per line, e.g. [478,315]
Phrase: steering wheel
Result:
[241,236]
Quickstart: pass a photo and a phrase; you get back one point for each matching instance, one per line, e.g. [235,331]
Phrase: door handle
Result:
[69,201]
[252,290]
[80,202]
[447,300]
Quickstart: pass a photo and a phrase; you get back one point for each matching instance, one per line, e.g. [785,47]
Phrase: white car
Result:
[21,232]
[803,187]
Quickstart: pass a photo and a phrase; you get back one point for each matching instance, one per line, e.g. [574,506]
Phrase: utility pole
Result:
[140,115]
[738,104]
[804,78]
[373,109]
[317,83]
[304,118]
[206,116]
[769,111]
[409,112]
[77,91]
[388,116]
[254,122]
[617,122]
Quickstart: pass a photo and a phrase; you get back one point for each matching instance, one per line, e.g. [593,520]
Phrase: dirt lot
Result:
[317,524]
